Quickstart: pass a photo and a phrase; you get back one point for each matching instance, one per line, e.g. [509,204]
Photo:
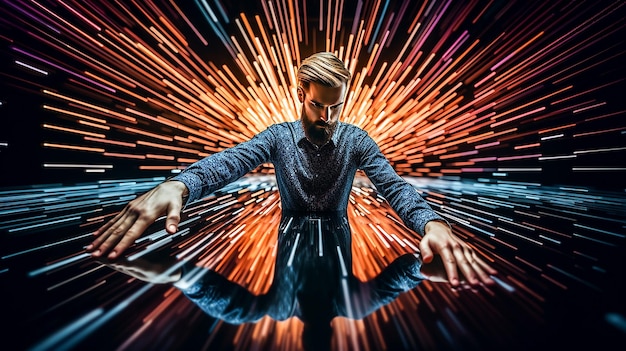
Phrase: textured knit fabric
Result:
[311,178]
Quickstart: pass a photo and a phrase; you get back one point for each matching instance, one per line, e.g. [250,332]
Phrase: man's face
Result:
[321,107]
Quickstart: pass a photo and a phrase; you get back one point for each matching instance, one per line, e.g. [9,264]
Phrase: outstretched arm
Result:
[438,238]
[212,292]
[127,226]
[198,180]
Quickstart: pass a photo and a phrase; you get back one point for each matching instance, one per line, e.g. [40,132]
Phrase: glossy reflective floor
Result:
[559,253]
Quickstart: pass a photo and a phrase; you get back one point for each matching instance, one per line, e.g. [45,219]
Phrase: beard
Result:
[319,133]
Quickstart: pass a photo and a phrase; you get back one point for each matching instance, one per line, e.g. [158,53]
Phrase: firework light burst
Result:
[508,117]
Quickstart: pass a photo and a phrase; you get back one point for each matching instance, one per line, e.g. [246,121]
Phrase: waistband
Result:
[339,214]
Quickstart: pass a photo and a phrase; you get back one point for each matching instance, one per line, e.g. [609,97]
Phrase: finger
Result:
[469,264]
[486,266]
[109,223]
[173,218]
[488,271]
[480,267]
[426,251]
[461,253]
[477,265]
[110,238]
[98,233]
[128,238]
[483,276]
[103,244]
[449,263]
[104,233]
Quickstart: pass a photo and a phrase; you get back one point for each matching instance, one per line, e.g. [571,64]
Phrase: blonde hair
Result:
[323,68]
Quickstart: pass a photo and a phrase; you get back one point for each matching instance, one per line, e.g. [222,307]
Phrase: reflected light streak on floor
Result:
[556,249]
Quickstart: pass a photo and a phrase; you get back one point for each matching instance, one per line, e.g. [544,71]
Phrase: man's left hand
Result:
[455,254]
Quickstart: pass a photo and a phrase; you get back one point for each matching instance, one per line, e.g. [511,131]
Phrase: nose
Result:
[324,115]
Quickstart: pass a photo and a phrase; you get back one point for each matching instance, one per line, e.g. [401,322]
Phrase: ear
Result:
[300,94]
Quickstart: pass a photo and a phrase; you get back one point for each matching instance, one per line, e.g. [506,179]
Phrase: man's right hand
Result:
[122,230]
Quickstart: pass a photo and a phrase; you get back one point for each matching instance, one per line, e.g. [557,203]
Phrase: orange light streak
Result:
[98,108]
[159,168]
[169,147]
[69,25]
[75,114]
[73,147]
[108,141]
[160,157]
[121,155]
[74,131]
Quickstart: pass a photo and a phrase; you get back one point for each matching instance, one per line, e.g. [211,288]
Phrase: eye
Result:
[316,105]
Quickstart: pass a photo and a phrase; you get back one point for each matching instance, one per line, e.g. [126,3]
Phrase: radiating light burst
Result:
[510,94]
[445,88]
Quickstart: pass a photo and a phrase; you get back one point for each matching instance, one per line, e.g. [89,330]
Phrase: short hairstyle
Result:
[323,68]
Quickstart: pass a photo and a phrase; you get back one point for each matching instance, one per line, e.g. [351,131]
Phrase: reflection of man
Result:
[313,280]
[315,161]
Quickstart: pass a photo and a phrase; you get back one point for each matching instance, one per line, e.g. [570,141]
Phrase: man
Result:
[315,160]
